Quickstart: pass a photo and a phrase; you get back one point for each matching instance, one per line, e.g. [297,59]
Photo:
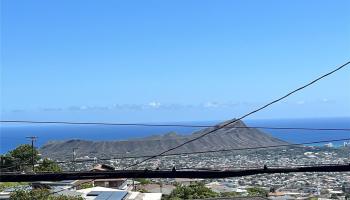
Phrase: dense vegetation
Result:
[20,159]
[199,191]
[86,185]
[195,191]
[39,194]
[255,191]
[5,185]
[48,166]
[143,181]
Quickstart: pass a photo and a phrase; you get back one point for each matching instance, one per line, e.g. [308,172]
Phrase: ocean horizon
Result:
[12,135]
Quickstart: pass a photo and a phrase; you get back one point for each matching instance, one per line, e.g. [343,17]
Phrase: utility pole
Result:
[33,139]
[161,185]
[74,157]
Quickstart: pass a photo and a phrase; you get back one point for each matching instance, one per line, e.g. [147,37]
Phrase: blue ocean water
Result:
[14,135]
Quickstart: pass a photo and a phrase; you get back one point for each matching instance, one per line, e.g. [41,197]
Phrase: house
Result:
[102,193]
[116,183]
[102,167]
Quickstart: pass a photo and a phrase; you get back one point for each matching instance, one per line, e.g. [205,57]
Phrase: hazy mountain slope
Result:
[228,137]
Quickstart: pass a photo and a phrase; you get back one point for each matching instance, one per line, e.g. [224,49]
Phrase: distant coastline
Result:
[13,135]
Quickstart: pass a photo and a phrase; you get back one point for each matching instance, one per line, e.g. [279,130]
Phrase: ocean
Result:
[12,135]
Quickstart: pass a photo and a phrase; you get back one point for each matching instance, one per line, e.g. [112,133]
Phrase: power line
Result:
[250,127]
[10,167]
[17,177]
[171,125]
[246,115]
[105,123]
[248,167]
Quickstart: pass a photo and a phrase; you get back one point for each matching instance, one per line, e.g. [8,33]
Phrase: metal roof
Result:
[108,195]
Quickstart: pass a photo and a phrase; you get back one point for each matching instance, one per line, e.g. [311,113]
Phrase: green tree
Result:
[28,195]
[229,194]
[48,166]
[21,159]
[22,156]
[256,191]
[195,191]
[334,196]
[7,163]
[86,185]
[39,194]
[142,190]
[143,181]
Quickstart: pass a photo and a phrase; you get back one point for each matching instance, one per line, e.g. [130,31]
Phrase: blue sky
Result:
[156,61]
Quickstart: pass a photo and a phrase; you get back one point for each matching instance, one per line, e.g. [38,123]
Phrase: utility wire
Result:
[5,168]
[105,123]
[10,177]
[250,127]
[205,168]
[171,125]
[248,167]
[246,115]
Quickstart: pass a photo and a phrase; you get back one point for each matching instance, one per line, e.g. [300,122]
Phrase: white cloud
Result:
[51,109]
[154,104]
[150,105]
[211,105]
[17,110]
